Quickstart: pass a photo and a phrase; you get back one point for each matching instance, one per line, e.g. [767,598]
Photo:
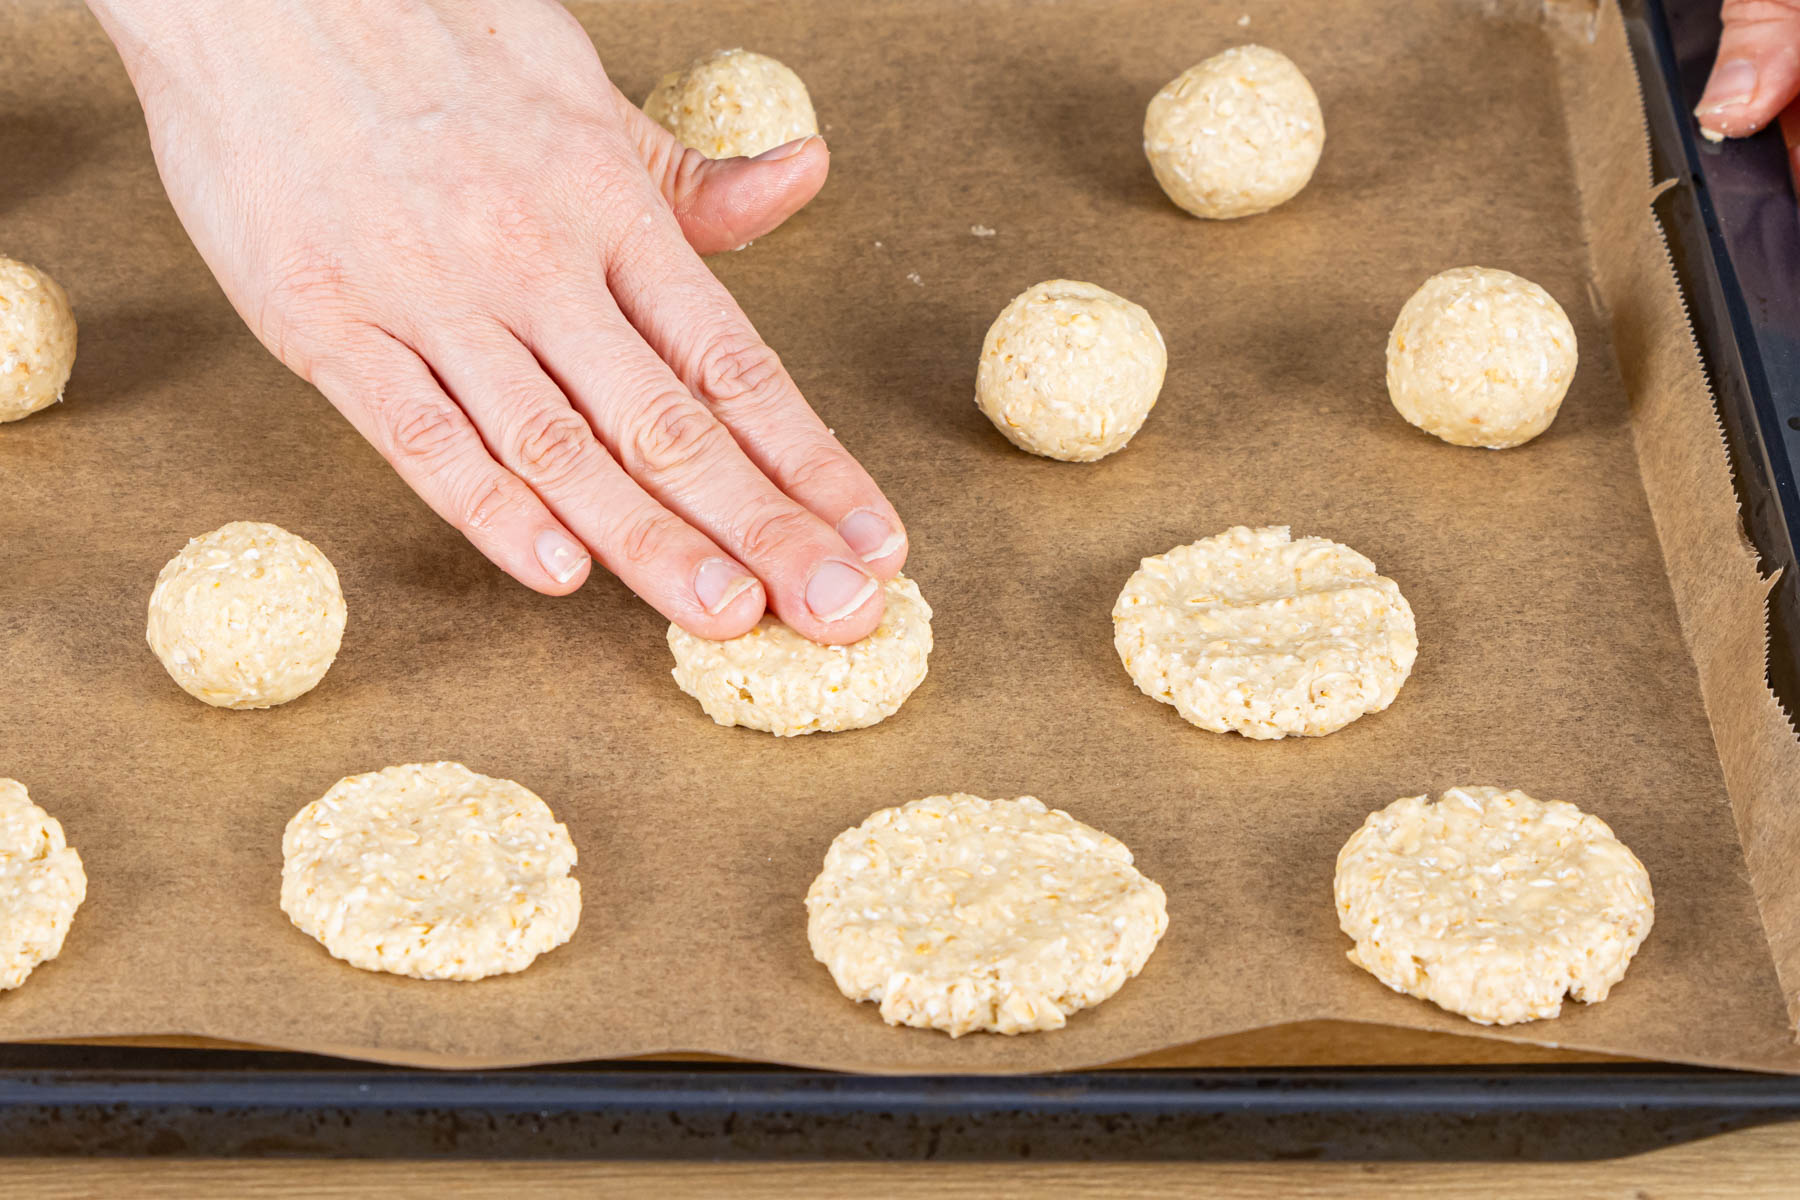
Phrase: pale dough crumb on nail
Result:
[894,541]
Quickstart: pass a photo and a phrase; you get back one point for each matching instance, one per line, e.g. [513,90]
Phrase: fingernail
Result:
[560,555]
[869,534]
[836,590]
[718,583]
[1731,85]
[785,150]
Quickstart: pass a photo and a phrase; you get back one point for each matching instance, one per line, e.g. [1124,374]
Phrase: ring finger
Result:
[675,448]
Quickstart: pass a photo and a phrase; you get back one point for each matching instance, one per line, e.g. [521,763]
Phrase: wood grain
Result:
[1749,1165]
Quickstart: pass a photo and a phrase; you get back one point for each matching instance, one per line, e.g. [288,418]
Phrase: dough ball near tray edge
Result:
[961,914]
[42,883]
[1267,635]
[247,616]
[1070,371]
[732,103]
[1492,904]
[1236,134]
[1480,357]
[430,870]
[37,340]
[775,680]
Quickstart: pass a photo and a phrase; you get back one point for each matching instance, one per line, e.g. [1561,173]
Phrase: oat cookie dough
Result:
[732,103]
[1236,135]
[1492,904]
[774,680]
[41,885]
[1258,632]
[1480,357]
[430,870]
[958,913]
[1070,371]
[247,616]
[37,340]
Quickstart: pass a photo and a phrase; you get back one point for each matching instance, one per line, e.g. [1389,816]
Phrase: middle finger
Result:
[675,448]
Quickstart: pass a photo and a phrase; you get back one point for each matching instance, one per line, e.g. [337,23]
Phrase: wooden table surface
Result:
[1754,1163]
[1751,1163]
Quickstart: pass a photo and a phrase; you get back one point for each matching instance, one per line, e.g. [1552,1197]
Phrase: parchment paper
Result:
[1583,603]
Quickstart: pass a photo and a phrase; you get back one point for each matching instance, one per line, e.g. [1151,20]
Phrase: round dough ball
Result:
[774,680]
[42,883]
[1492,904]
[247,616]
[1480,357]
[432,871]
[1256,632]
[37,340]
[958,913]
[1070,371]
[732,103]
[1235,135]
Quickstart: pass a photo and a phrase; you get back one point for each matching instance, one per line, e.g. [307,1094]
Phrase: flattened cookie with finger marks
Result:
[1492,904]
[961,914]
[42,883]
[1264,634]
[432,871]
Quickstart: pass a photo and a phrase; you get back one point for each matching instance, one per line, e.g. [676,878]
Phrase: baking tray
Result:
[63,1100]
[1731,222]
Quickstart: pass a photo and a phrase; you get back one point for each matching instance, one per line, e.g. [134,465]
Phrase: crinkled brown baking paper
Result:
[1583,602]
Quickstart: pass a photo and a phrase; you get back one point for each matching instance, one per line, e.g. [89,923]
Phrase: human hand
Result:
[444,216]
[1756,73]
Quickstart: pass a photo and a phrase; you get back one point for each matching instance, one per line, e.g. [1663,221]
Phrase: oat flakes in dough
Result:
[774,680]
[732,103]
[37,340]
[958,913]
[1492,904]
[1270,636]
[1235,135]
[430,870]
[41,885]
[247,616]
[1480,357]
[1070,371]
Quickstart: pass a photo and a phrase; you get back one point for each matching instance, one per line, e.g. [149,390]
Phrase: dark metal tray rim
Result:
[125,1100]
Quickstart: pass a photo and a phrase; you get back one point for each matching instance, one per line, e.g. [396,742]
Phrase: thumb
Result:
[723,203]
[1757,71]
